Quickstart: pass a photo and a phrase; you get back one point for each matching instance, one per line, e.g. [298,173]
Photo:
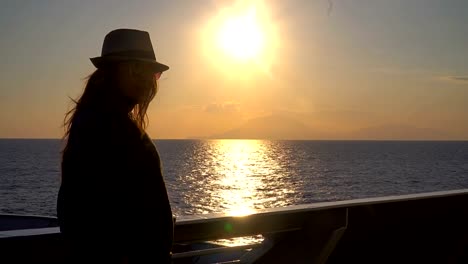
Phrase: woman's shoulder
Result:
[89,123]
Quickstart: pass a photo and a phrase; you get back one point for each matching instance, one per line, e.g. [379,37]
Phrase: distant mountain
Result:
[398,132]
[279,126]
[270,127]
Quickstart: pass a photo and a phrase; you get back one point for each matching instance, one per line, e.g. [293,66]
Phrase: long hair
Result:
[99,91]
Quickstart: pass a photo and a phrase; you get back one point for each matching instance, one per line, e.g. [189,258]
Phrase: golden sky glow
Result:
[251,68]
[241,37]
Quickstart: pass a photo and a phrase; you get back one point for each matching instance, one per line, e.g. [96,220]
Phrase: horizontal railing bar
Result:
[211,251]
[187,220]
[209,227]
[30,232]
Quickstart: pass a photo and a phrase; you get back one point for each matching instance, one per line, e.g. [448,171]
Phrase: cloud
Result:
[401,71]
[421,73]
[226,107]
[452,78]
[459,78]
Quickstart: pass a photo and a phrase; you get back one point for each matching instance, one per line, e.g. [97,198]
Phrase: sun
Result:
[241,37]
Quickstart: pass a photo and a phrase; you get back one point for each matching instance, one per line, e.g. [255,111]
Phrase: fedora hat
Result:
[128,45]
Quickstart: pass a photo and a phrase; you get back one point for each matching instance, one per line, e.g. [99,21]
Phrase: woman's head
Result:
[136,81]
[127,86]
[125,80]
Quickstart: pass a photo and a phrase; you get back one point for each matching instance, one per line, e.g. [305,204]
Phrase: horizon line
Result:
[276,139]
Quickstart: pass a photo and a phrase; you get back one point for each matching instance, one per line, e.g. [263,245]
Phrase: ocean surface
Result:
[238,176]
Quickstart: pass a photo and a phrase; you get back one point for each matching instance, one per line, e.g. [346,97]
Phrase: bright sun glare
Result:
[241,37]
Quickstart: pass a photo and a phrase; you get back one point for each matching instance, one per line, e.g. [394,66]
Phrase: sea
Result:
[238,177]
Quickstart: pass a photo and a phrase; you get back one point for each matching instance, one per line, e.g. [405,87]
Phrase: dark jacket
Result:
[112,193]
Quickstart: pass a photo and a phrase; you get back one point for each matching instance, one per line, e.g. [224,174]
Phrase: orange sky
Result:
[367,70]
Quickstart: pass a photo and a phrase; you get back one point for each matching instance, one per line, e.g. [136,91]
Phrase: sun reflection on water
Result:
[234,178]
[240,166]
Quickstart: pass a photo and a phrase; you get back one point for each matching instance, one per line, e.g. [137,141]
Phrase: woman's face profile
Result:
[135,80]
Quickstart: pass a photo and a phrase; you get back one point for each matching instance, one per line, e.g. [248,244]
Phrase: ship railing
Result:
[310,233]
[426,227]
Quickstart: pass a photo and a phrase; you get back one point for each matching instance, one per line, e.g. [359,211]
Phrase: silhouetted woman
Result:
[112,204]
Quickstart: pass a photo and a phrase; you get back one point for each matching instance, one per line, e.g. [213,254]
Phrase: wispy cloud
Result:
[458,79]
[421,74]
[226,107]
[401,71]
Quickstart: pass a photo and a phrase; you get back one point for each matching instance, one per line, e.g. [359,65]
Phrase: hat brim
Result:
[100,62]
